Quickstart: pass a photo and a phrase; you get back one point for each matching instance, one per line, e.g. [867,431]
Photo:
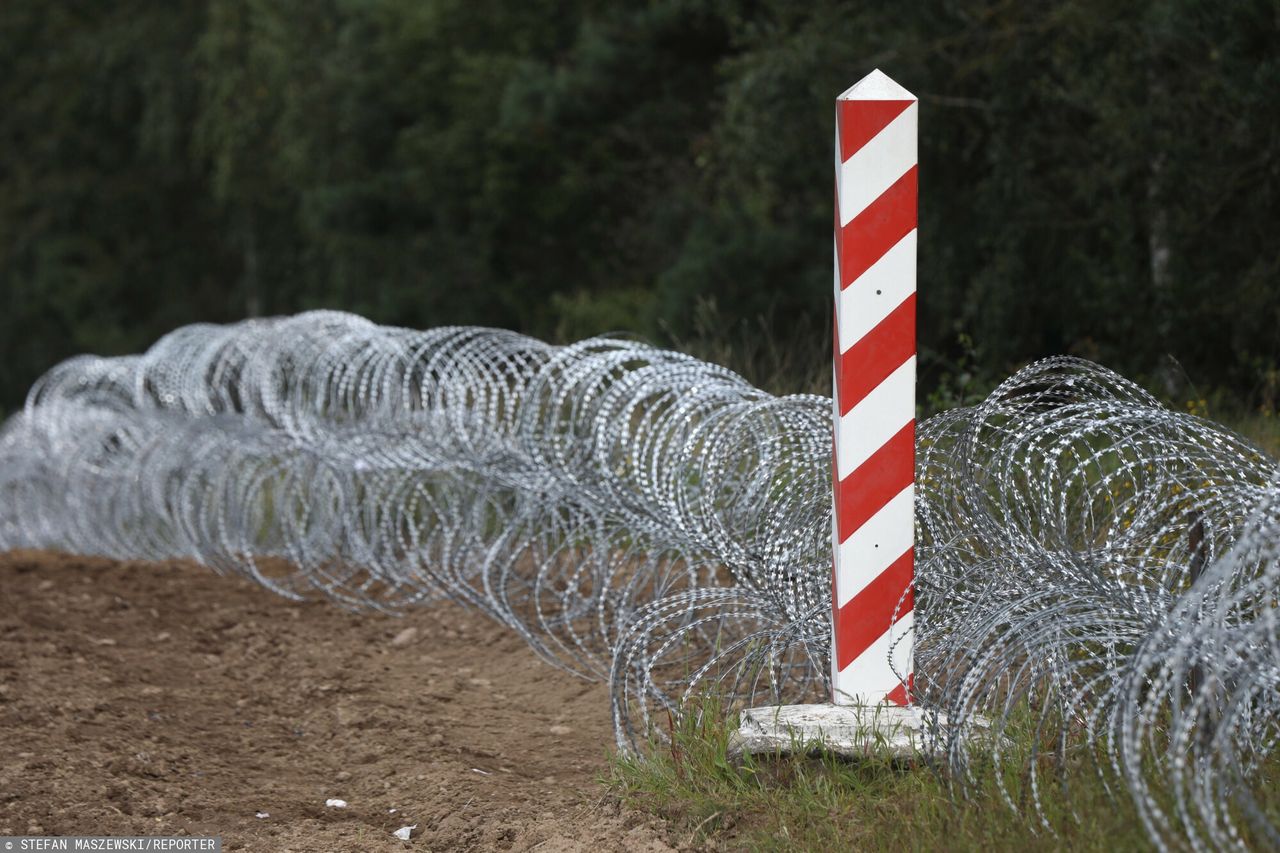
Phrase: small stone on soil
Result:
[405,637]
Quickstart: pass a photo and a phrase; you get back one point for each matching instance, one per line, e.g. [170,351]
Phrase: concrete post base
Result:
[848,730]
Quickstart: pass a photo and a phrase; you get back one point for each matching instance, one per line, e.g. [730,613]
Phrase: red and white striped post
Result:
[874,392]
[874,456]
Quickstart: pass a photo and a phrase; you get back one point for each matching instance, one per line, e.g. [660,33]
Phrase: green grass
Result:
[1262,428]
[825,803]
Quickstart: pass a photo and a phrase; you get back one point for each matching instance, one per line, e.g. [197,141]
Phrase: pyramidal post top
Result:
[876,86]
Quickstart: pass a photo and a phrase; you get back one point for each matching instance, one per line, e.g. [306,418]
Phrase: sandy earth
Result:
[160,698]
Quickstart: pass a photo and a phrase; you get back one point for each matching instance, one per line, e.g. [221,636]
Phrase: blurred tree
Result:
[101,246]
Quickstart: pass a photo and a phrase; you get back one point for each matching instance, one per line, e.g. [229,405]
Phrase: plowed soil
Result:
[163,699]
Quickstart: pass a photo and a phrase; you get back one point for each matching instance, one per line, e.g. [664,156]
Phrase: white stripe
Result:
[837,158]
[876,418]
[874,295]
[874,546]
[872,675]
[878,165]
[835,266]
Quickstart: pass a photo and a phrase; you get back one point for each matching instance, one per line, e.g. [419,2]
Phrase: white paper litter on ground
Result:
[335,803]
[404,832]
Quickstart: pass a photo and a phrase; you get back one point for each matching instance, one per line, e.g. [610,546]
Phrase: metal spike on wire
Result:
[1091,566]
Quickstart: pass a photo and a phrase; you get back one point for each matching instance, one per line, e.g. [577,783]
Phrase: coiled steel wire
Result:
[1089,564]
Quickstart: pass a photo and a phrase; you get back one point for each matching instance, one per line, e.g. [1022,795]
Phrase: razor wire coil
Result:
[1084,555]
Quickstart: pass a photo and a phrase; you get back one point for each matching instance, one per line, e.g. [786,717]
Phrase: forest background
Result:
[1098,178]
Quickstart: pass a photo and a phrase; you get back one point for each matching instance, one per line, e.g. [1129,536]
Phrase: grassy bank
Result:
[823,803]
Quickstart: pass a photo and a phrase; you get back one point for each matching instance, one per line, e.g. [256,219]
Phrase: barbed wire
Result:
[1091,567]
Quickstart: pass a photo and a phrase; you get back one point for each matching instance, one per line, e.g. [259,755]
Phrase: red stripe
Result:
[869,614]
[901,695]
[877,229]
[876,482]
[860,121]
[878,353]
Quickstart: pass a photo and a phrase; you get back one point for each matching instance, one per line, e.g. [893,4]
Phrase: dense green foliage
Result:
[1097,177]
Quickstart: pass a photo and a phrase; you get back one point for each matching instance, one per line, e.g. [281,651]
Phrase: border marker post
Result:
[873,459]
[874,393]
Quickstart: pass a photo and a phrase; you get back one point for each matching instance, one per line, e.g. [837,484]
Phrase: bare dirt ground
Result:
[162,699]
